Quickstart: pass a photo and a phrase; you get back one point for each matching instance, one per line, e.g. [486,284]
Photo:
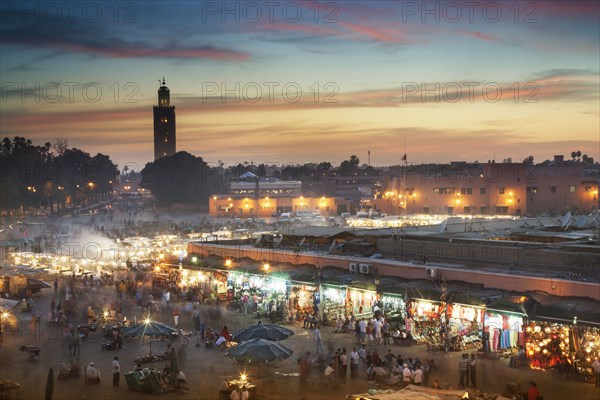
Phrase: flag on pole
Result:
[404,157]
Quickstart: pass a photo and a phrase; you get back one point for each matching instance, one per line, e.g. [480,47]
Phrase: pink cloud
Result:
[387,35]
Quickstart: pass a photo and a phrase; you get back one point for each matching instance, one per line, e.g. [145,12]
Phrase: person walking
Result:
[463,365]
[354,358]
[53,307]
[167,298]
[176,317]
[116,371]
[473,370]
[55,286]
[196,320]
[385,331]
[318,339]
[76,342]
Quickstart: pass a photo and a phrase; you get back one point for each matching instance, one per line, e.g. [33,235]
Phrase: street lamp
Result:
[266,267]
[228,263]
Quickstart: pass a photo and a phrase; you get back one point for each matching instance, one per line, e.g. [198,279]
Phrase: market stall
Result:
[393,306]
[465,324]
[424,322]
[302,299]
[547,344]
[360,301]
[567,348]
[502,331]
[333,300]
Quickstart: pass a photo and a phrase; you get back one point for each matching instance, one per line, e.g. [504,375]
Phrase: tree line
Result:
[52,175]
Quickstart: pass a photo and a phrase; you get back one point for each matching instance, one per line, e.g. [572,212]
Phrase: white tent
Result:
[412,392]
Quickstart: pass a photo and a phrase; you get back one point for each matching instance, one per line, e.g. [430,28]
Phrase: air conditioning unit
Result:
[431,272]
[365,268]
[353,267]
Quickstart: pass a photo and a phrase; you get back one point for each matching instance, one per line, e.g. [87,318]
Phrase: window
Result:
[425,210]
[552,189]
[483,210]
[164,119]
[588,188]
[410,191]
[532,189]
[467,210]
[466,191]
[450,210]
[501,210]
[443,190]
[572,188]
[501,190]
[481,190]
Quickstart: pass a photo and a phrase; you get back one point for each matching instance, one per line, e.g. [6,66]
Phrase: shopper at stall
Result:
[463,365]
[363,331]
[515,360]
[473,370]
[596,368]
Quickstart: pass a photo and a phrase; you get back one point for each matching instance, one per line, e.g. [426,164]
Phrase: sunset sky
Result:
[369,61]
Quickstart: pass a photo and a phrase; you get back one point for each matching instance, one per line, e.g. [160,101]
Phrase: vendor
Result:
[92,373]
[181,379]
[225,333]
[75,368]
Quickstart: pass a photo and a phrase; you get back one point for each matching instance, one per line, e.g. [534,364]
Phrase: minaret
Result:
[164,124]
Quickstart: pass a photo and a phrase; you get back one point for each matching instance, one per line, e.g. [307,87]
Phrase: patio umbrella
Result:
[151,329]
[262,331]
[258,351]
[50,385]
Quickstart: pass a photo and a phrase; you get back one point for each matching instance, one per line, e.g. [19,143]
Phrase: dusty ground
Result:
[206,367]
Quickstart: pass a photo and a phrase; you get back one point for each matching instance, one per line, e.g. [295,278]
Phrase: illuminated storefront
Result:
[333,301]
[465,326]
[547,344]
[301,299]
[360,301]
[424,321]
[502,330]
[393,306]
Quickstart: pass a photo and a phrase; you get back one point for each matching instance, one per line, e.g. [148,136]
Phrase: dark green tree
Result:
[349,167]
[180,178]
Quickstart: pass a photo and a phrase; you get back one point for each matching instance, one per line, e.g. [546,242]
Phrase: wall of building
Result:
[224,206]
[494,280]
[556,189]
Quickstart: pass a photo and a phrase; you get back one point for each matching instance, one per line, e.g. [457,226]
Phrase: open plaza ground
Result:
[206,368]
